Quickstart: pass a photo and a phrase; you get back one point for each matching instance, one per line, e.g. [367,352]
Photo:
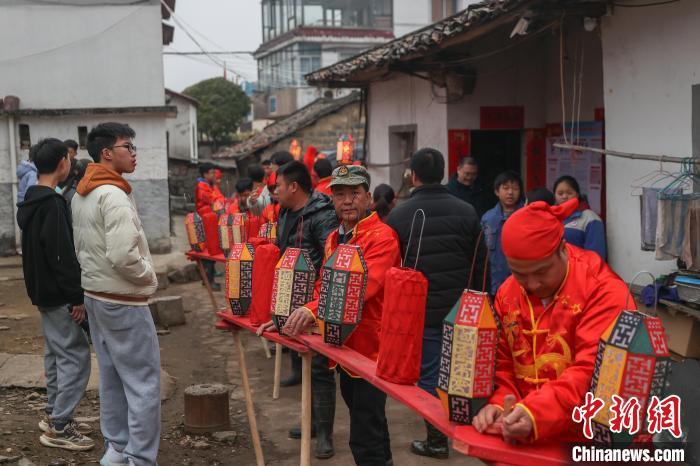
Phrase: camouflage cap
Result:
[350,175]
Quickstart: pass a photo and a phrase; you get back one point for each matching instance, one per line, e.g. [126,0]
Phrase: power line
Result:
[180,23]
[208,53]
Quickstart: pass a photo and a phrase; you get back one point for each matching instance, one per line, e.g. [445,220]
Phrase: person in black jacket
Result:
[52,278]
[465,185]
[447,251]
[306,219]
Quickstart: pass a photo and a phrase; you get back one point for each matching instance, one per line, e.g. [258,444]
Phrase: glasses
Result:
[130,147]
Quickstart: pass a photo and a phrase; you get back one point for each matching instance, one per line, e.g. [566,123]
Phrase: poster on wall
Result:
[586,167]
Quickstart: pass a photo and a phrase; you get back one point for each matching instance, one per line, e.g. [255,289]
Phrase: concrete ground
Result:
[193,353]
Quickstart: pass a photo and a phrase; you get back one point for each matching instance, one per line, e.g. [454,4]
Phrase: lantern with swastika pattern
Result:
[468,356]
[232,230]
[268,231]
[195,231]
[293,284]
[632,361]
[239,277]
[342,296]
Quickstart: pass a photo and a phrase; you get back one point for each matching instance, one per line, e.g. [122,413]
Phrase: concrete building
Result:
[303,36]
[181,132]
[106,66]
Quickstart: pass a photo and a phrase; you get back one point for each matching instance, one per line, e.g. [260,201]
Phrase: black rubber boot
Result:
[434,446]
[295,377]
[323,415]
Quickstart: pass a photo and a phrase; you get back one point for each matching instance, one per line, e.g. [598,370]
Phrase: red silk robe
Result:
[204,197]
[380,249]
[546,354]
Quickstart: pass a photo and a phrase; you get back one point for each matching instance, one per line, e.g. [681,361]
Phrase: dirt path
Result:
[192,353]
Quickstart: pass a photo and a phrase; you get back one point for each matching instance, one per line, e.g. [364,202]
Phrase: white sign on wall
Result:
[586,167]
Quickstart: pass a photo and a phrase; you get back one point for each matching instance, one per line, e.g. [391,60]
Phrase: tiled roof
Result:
[413,43]
[302,118]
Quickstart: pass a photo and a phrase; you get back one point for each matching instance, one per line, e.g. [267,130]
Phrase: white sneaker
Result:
[68,438]
[112,458]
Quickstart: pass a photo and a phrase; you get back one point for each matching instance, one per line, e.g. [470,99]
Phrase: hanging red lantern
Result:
[295,149]
[345,149]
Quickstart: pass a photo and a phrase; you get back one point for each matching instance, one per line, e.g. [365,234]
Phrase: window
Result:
[333,17]
[273,104]
[25,139]
[82,136]
[313,15]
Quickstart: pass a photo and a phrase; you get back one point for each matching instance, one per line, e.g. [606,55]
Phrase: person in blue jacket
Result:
[584,228]
[508,188]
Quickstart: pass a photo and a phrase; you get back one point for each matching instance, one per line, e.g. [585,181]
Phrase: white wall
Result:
[650,62]
[182,130]
[404,100]
[81,57]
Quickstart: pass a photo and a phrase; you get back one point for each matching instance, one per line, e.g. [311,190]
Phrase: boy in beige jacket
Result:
[118,278]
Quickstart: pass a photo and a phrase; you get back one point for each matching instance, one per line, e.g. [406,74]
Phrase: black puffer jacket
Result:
[447,249]
[319,221]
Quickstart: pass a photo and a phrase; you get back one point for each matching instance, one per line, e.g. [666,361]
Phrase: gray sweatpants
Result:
[128,354]
[66,362]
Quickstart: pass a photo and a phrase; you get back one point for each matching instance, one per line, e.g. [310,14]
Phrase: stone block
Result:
[163,281]
[170,310]
[184,274]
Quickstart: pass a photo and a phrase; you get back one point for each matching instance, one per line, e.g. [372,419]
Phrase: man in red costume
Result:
[369,434]
[204,197]
[553,310]
[218,177]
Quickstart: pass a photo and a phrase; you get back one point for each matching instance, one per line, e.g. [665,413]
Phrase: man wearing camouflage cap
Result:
[369,433]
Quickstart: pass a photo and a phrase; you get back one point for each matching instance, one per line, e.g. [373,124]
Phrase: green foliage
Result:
[223,107]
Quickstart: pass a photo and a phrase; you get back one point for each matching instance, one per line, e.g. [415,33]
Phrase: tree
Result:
[223,107]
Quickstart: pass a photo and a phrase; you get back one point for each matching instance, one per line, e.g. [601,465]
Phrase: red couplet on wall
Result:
[458,147]
[536,158]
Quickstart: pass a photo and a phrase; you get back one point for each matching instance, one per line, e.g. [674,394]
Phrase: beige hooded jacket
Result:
[109,240]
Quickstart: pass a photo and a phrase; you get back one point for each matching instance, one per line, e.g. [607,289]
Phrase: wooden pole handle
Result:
[305,459]
[203,274]
[278,372]
[260,461]
[266,347]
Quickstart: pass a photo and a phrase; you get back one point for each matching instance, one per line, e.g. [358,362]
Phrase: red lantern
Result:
[295,149]
[345,149]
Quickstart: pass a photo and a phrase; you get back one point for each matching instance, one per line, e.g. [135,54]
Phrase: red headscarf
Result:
[219,175]
[535,231]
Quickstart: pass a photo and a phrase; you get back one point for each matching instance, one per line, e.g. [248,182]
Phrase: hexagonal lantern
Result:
[239,277]
[195,232]
[232,230]
[632,361]
[269,231]
[342,297]
[468,356]
[293,285]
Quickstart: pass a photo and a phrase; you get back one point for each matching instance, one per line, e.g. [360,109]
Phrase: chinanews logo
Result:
[624,420]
